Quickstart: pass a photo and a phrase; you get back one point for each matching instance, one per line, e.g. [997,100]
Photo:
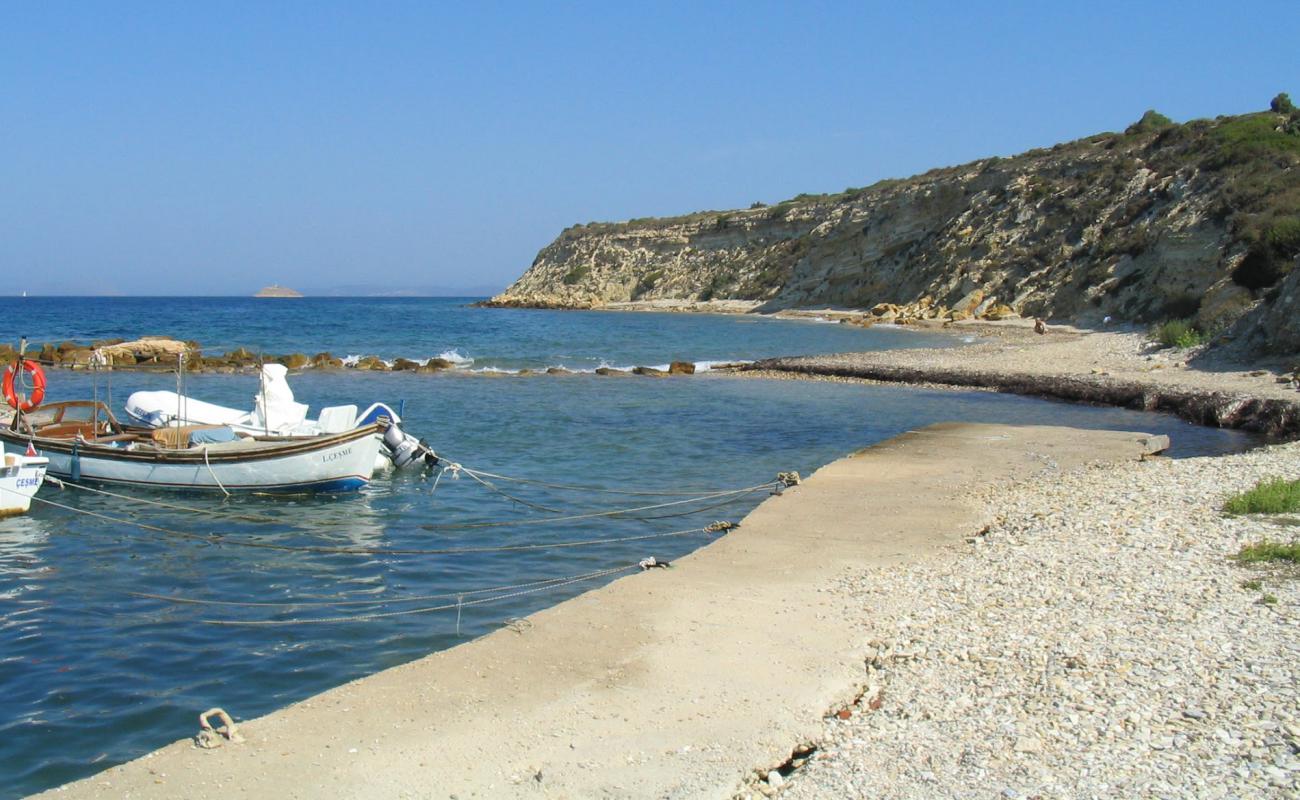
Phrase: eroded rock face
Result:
[1139,227]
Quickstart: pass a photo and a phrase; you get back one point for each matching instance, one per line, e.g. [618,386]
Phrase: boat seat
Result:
[70,430]
[337,419]
[178,438]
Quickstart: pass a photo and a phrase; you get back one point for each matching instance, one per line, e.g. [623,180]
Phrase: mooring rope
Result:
[181,600]
[730,495]
[735,494]
[594,489]
[217,540]
[408,612]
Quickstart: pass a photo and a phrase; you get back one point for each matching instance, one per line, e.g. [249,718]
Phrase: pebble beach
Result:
[1096,640]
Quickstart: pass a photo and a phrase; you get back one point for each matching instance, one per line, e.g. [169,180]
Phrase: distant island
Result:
[275,290]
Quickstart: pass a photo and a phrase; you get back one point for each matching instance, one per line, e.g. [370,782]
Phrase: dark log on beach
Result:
[1272,417]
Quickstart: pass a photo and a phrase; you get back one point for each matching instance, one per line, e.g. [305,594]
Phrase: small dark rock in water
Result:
[295,360]
[649,371]
[405,364]
[438,363]
[557,371]
[681,368]
[610,371]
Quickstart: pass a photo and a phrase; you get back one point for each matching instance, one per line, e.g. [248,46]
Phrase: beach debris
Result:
[518,624]
[1040,327]
[716,527]
[653,563]
[209,737]
[785,480]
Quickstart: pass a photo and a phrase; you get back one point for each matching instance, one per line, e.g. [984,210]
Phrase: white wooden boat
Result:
[84,442]
[275,411]
[20,476]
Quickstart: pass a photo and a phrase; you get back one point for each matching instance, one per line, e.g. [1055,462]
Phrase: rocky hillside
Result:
[1196,221]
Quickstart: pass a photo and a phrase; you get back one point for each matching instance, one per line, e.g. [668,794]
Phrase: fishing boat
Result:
[20,476]
[82,441]
[276,411]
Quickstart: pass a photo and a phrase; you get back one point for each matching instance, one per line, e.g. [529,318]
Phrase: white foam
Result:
[705,366]
[350,361]
[456,358]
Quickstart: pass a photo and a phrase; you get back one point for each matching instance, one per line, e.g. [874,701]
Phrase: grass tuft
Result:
[1267,551]
[1178,333]
[1275,496]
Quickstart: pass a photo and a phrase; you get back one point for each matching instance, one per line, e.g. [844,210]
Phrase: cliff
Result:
[1164,221]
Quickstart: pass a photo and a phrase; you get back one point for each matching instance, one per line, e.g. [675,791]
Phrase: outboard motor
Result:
[403,449]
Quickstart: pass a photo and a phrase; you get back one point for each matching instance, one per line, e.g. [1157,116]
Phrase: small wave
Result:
[350,360]
[456,358]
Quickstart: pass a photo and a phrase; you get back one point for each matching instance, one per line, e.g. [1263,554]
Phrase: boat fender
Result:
[38,385]
[76,462]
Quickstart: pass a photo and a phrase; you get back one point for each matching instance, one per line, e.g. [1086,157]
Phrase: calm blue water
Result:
[93,674]
[418,328]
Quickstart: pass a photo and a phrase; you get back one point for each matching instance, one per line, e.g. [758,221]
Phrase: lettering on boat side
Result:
[336,455]
[25,482]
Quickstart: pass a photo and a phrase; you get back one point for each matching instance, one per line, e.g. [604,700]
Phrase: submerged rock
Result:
[649,372]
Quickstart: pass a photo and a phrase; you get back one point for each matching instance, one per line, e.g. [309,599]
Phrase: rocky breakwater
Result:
[165,353]
[1197,221]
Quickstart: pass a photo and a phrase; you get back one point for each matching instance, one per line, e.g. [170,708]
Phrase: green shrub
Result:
[576,274]
[1178,333]
[1282,104]
[1151,121]
[1275,496]
[1243,139]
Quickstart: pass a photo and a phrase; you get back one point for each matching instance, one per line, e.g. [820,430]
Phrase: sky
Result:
[213,148]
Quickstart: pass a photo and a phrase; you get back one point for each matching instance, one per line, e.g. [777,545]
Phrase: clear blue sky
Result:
[209,148]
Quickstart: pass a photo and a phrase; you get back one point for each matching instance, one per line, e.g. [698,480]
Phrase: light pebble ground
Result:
[1104,356]
[1096,641]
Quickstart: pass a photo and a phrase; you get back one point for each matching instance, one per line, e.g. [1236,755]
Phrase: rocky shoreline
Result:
[1122,368]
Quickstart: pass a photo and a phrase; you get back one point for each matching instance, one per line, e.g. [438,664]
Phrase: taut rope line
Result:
[216,540]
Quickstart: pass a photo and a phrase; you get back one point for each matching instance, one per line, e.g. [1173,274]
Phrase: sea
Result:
[125,615]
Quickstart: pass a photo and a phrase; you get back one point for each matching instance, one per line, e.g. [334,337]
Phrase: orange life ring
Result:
[38,385]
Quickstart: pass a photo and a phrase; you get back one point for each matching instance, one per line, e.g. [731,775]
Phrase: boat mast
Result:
[18,376]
